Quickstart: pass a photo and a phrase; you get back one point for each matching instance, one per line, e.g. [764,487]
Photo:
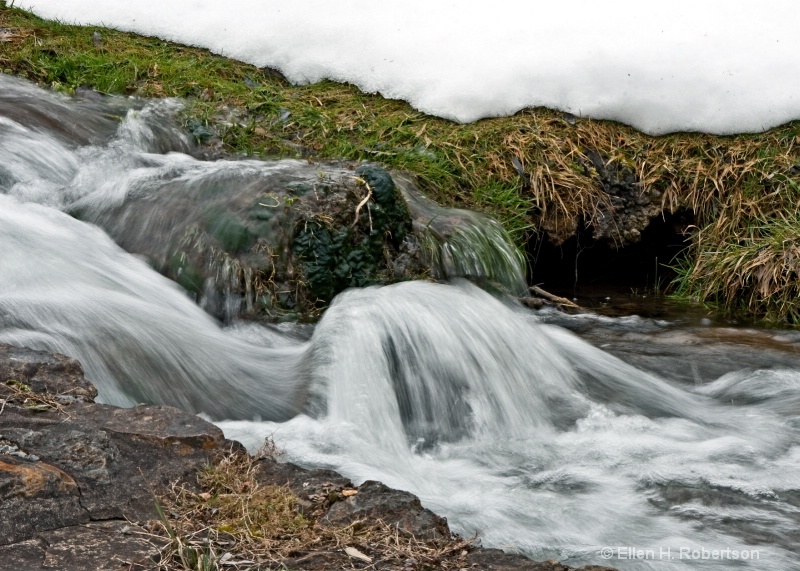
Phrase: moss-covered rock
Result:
[276,240]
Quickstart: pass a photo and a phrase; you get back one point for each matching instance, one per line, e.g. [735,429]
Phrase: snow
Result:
[679,65]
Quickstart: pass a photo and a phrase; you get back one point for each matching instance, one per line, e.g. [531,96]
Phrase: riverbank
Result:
[91,486]
[726,207]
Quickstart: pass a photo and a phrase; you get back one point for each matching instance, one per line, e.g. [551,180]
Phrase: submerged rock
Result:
[277,239]
[280,239]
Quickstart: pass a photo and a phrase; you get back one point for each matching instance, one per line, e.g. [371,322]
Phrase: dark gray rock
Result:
[62,465]
[36,496]
[106,449]
[301,481]
[375,501]
[27,555]
[45,373]
[317,490]
[628,206]
[101,546]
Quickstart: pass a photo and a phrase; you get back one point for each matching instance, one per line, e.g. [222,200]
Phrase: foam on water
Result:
[716,66]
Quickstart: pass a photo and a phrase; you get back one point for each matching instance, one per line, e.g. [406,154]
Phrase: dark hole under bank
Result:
[588,269]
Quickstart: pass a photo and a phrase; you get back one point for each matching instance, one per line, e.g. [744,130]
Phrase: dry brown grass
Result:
[232,521]
[16,392]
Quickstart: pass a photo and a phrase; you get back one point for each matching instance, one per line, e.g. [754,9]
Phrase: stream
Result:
[640,443]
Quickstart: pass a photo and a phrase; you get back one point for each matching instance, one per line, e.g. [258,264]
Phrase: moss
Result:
[336,254]
[232,235]
[183,272]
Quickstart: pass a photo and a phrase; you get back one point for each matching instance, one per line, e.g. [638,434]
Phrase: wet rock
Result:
[75,122]
[276,239]
[622,209]
[629,206]
[375,501]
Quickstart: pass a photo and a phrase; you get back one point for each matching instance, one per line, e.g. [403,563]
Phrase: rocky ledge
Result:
[79,482]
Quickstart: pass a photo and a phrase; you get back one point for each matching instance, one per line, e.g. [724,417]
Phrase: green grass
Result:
[743,181]
[750,264]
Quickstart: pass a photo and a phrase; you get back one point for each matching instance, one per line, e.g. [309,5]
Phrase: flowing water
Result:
[556,436]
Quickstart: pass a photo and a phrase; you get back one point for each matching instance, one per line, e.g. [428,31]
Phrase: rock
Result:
[44,373]
[629,206]
[106,449]
[622,209]
[304,483]
[64,468]
[21,479]
[402,510]
[35,496]
[274,239]
[28,555]
[75,122]
[99,546]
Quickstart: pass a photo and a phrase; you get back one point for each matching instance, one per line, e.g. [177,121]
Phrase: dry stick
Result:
[554,298]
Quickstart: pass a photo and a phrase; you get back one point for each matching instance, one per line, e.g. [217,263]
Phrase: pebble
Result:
[13,450]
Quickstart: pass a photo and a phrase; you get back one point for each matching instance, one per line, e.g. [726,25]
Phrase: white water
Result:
[720,66]
[505,425]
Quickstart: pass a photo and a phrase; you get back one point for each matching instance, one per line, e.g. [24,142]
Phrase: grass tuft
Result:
[232,521]
[750,264]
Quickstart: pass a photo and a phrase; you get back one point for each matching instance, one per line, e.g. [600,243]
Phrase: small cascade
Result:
[461,243]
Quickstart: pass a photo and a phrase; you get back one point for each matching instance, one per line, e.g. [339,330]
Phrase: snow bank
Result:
[709,65]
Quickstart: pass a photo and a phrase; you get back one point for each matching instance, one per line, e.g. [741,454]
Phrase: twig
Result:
[362,203]
[554,298]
